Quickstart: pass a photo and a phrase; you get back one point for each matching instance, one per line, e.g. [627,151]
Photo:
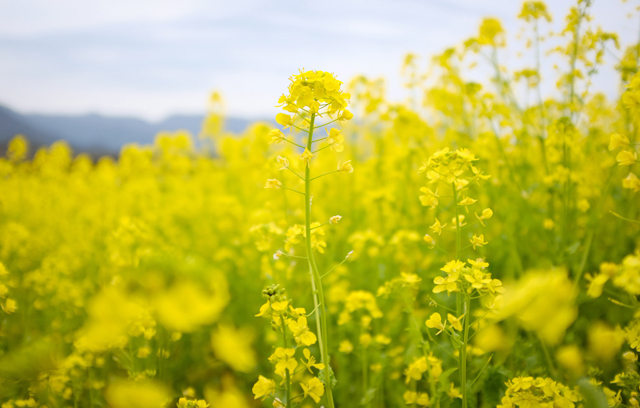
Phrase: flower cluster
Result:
[538,392]
[625,276]
[452,168]
[291,323]
[456,170]
[310,90]
[467,279]
[186,403]
[7,304]
[626,156]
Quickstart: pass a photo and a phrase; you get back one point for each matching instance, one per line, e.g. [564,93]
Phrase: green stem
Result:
[322,148]
[425,347]
[316,284]
[322,175]
[615,214]
[460,299]
[458,231]
[321,225]
[463,351]
[288,375]
[299,176]
[365,374]
[290,189]
[293,143]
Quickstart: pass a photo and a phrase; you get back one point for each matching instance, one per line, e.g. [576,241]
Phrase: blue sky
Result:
[152,58]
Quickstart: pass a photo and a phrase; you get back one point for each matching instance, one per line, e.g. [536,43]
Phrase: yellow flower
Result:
[412,397]
[435,322]
[284,360]
[263,388]
[345,167]
[284,120]
[429,198]
[345,347]
[314,389]
[605,341]
[185,403]
[365,340]
[617,140]
[311,361]
[491,33]
[416,369]
[626,158]
[437,227]
[631,182]
[335,139]
[306,156]
[455,322]
[454,392]
[335,219]
[297,312]
[453,266]
[570,357]
[478,263]
[423,399]
[10,306]
[233,346]
[543,301]
[273,183]
[466,202]
[125,394]
[301,332]
[429,240]
[18,148]
[522,383]
[478,279]
[309,89]
[630,356]
[276,136]
[548,224]
[486,214]
[449,284]
[460,221]
[279,307]
[265,310]
[284,162]
[478,241]
[534,10]
[345,115]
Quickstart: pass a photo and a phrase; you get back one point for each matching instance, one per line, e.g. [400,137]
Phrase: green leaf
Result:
[443,380]
[331,376]
[456,341]
[593,396]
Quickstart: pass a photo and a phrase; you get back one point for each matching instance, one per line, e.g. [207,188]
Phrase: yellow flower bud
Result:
[345,167]
[273,183]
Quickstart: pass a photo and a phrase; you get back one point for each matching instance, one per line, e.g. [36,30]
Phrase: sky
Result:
[154,58]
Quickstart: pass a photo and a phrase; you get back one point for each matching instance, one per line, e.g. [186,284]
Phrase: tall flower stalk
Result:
[456,170]
[313,95]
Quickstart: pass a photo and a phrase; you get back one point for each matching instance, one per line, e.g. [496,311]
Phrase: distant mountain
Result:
[12,123]
[97,134]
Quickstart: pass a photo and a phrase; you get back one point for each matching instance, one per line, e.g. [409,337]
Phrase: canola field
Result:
[477,245]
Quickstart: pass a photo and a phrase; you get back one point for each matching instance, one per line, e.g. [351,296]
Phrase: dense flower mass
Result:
[311,91]
[476,245]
